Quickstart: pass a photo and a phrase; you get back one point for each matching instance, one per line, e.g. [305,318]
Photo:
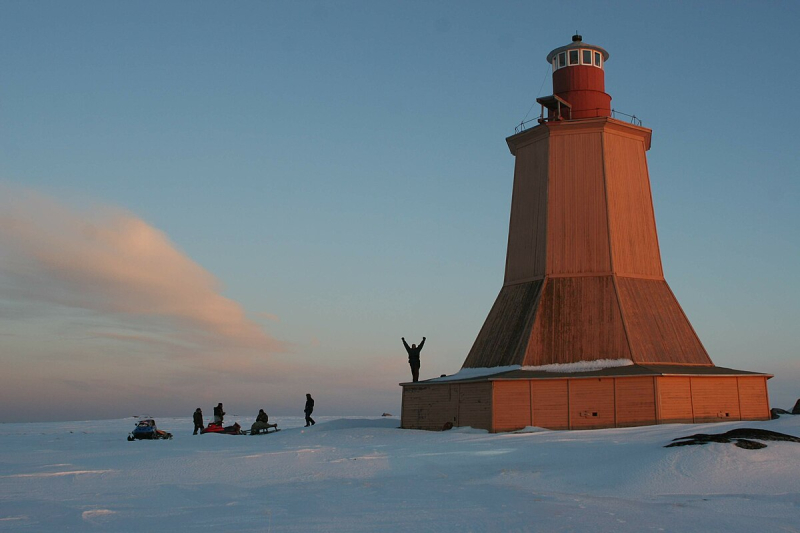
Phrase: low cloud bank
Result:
[114,278]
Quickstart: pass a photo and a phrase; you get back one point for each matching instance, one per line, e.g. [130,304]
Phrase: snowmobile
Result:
[146,429]
[216,427]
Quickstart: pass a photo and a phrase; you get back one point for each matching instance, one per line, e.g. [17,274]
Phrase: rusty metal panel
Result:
[658,330]
[578,320]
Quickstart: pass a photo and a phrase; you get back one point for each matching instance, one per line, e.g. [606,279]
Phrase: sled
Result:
[263,431]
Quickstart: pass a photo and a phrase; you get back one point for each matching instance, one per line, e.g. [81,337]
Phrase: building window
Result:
[573,57]
[562,59]
[586,58]
[597,60]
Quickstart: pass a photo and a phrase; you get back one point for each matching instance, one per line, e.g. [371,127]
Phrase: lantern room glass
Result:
[573,57]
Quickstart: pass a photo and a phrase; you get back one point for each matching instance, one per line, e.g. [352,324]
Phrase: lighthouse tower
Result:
[583,288]
[583,276]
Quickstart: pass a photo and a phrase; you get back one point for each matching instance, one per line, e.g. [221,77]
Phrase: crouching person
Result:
[261,423]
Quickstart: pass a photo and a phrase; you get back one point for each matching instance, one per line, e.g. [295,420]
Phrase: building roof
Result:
[612,372]
[577,42]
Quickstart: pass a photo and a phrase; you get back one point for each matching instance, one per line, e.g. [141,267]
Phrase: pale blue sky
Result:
[340,168]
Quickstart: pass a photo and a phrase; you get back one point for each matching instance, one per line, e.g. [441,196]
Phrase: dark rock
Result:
[760,434]
[796,408]
[749,444]
[776,413]
[740,437]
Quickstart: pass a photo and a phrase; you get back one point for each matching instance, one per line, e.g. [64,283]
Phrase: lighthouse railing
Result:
[636,121]
[524,125]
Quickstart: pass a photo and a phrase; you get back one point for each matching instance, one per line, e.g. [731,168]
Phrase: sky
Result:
[247,201]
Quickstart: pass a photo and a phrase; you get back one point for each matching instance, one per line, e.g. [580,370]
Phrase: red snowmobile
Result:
[216,427]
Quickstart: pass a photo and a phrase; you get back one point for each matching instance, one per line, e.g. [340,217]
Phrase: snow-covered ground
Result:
[358,474]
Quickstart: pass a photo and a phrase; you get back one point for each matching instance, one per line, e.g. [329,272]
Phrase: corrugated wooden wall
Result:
[712,398]
[550,403]
[674,400]
[635,401]
[591,403]
[475,405]
[585,403]
[504,335]
[634,242]
[511,405]
[658,331]
[715,399]
[428,406]
[577,221]
[753,398]
[578,319]
[527,231]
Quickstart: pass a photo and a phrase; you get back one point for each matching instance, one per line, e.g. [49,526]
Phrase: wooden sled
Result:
[271,429]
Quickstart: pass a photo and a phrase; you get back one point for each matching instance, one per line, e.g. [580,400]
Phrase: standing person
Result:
[198,420]
[309,409]
[219,414]
[413,357]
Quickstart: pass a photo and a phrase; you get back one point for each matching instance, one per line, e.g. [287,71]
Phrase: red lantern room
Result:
[578,82]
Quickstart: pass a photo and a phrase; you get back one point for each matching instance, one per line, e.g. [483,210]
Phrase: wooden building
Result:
[584,282]
[635,395]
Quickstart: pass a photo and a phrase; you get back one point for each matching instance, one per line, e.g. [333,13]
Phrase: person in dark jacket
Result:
[261,423]
[198,420]
[413,357]
[219,414]
[308,410]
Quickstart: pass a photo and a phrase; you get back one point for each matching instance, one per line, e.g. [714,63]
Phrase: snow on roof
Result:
[471,373]
[580,366]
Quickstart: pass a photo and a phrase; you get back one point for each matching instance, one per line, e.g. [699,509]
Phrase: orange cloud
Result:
[112,262]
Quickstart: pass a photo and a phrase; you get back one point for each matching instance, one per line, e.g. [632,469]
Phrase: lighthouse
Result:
[585,332]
